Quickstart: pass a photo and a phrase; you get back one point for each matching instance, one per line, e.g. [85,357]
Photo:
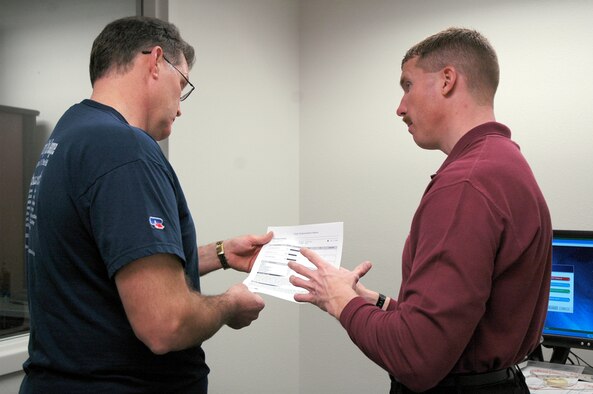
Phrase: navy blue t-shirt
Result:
[102,196]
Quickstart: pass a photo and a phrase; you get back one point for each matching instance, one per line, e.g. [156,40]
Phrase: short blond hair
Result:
[468,51]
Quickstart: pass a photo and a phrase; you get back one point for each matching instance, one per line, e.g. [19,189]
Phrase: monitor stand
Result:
[559,354]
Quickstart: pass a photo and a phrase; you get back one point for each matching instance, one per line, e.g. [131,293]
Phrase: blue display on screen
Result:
[570,309]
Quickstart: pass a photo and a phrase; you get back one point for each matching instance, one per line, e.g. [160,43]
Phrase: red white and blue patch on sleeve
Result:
[156,223]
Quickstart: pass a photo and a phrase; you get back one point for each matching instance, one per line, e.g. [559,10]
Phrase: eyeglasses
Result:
[188,88]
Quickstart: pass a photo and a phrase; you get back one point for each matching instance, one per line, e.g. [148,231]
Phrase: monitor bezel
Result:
[563,341]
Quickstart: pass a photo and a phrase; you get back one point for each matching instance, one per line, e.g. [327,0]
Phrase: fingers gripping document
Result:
[270,273]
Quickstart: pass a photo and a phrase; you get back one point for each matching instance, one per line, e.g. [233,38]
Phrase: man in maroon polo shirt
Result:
[477,261]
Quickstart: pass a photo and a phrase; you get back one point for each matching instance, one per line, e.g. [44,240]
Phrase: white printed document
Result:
[270,272]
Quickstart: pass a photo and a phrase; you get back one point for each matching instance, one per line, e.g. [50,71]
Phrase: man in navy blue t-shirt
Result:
[113,263]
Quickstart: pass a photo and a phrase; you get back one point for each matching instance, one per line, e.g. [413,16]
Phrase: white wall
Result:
[236,152]
[359,164]
[293,121]
[44,51]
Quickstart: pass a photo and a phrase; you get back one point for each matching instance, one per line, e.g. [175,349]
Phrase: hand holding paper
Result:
[270,273]
[242,251]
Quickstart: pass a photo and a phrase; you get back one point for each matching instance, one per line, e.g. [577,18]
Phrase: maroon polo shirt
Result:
[475,270]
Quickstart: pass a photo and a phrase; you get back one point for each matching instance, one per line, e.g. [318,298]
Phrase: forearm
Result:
[177,317]
[208,259]
[372,297]
[199,317]
[416,345]
[166,314]
[202,318]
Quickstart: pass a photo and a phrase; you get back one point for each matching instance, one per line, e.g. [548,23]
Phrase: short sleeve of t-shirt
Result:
[133,214]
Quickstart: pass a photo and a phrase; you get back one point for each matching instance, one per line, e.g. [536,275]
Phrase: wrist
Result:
[370,296]
[380,301]
[340,303]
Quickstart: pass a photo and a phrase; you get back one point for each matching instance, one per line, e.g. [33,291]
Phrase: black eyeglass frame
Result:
[186,95]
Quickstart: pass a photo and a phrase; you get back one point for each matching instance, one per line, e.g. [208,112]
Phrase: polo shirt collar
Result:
[475,134]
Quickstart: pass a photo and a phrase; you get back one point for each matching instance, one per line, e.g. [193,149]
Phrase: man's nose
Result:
[401,110]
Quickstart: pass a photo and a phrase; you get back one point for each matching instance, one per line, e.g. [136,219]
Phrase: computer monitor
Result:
[569,320]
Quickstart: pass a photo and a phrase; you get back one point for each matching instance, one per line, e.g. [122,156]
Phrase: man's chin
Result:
[163,134]
[424,144]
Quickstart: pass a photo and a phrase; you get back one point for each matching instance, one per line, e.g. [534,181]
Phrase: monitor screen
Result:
[569,321]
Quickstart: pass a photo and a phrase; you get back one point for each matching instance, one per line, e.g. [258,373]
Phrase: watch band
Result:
[221,256]
[381,301]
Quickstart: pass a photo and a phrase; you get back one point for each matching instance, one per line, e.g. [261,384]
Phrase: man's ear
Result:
[153,56]
[449,79]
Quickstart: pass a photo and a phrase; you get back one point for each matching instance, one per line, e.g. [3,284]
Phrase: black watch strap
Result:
[221,256]
[381,301]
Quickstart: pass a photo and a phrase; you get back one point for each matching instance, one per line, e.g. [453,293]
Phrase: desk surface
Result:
[550,378]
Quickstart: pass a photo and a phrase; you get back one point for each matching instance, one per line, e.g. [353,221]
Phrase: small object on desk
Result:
[556,382]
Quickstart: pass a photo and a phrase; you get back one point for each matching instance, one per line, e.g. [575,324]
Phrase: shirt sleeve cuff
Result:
[392,304]
[350,310]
